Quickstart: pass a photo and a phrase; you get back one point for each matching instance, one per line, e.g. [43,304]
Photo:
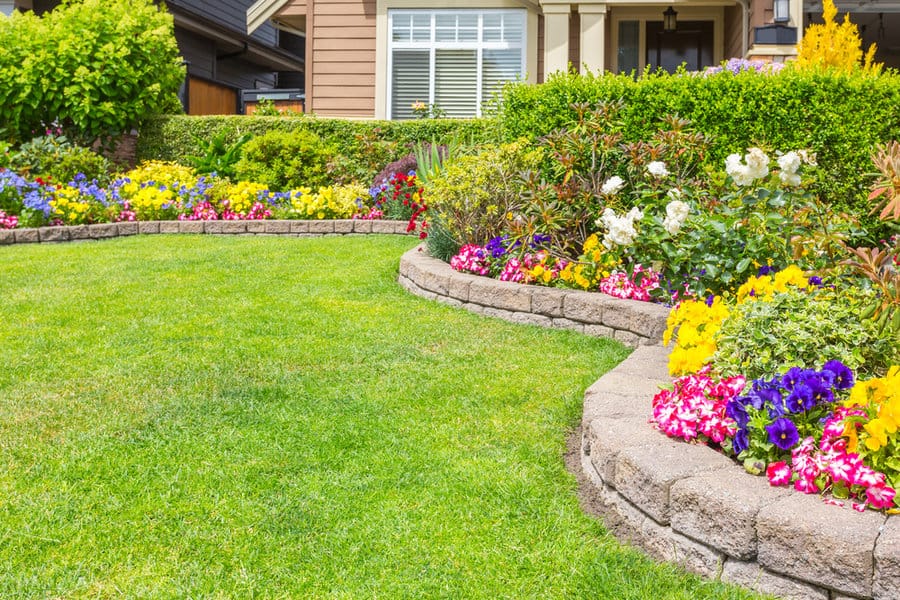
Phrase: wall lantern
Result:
[670,19]
[782,11]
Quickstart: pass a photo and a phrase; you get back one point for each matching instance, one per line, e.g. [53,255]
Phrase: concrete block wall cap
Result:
[128,228]
[256,226]
[500,294]
[26,236]
[664,544]
[608,437]
[53,234]
[887,561]
[548,301]
[719,509]
[608,403]
[588,307]
[645,474]
[7,236]
[343,226]
[825,545]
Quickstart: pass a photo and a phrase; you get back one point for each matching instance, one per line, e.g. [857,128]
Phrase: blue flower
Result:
[843,376]
[800,398]
[741,440]
[737,412]
[783,433]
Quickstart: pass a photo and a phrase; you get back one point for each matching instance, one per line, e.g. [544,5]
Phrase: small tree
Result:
[95,68]
[836,45]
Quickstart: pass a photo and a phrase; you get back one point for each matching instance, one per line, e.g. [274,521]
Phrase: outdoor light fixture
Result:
[782,11]
[670,22]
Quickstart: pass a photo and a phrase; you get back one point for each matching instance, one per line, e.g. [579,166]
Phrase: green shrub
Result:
[840,117]
[95,68]
[80,160]
[285,160]
[362,148]
[802,329]
[473,195]
[54,157]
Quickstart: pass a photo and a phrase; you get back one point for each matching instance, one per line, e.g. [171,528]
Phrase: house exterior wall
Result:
[733,32]
[340,51]
[231,14]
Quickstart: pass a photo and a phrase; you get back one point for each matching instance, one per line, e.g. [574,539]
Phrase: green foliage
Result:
[362,148]
[439,242]
[54,157]
[840,117]
[803,329]
[218,156]
[96,68]
[80,160]
[285,160]
[473,195]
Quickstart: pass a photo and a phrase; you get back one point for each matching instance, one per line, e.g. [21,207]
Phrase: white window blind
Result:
[454,60]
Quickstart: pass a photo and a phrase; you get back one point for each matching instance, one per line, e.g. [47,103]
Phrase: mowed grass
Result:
[256,417]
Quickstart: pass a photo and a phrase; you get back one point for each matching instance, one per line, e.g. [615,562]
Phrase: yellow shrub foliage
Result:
[835,45]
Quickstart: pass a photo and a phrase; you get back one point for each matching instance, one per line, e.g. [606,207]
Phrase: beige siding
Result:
[342,58]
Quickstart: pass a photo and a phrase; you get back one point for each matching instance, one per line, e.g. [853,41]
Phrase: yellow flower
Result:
[877,434]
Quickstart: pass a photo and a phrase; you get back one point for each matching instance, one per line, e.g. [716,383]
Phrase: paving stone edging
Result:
[67,233]
[680,502]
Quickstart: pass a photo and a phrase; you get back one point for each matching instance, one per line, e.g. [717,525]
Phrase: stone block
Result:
[616,405]
[145,227]
[382,226]
[434,280]
[649,361]
[102,231]
[751,575]
[169,226]
[128,228]
[343,226]
[645,474]
[664,544]
[474,308]
[887,561]
[620,517]
[299,226]
[563,323]
[256,226]
[548,301]
[26,236]
[644,318]
[324,226]
[825,545]
[719,509]
[632,340]
[362,226]
[279,227]
[599,331]
[458,286]
[500,294]
[201,226]
[80,232]
[7,236]
[531,319]
[400,228]
[449,301]
[54,234]
[587,307]
[497,313]
[608,437]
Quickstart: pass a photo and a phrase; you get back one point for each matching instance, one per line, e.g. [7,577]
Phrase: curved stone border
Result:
[631,322]
[679,502]
[296,228]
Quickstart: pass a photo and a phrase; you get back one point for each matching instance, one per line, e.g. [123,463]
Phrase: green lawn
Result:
[265,417]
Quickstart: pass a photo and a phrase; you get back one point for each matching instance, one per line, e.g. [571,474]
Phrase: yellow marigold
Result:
[693,324]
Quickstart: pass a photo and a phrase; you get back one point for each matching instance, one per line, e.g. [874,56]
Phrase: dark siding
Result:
[231,14]
[201,54]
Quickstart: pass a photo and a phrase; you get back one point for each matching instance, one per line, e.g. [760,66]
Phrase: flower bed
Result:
[684,503]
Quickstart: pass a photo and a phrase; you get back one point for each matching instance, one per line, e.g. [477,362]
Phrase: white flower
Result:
[658,169]
[790,164]
[620,230]
[808,157]
[676,213]
[745,174]
[612,185]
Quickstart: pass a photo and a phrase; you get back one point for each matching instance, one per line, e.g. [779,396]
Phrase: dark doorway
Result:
[691,44]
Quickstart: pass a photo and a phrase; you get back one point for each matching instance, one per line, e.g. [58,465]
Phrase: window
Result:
[452,59]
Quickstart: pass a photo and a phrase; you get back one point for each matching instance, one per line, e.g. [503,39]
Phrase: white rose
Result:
[757,163]
[658,169]
[789,162]
[676,214]
[612,185]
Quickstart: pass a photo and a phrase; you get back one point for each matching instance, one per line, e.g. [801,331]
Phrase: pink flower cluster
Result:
[373,215]
[814,469]
[126,214]
[207,212]
[636,287]
[512,271]
[8,221]
[695,407]
[471,259]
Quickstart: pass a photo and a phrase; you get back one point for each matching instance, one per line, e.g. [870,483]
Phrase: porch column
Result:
[556,38]
[593,37]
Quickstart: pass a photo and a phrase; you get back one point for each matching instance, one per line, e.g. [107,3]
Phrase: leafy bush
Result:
[803,329]
[474,194]
[838,116]
[53,157]
[217,156]
[285,160]
[362,148]
[96,68]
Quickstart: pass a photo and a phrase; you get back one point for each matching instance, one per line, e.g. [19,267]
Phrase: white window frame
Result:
[432,46]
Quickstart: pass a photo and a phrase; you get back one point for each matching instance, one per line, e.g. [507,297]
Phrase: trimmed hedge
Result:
[371,144]
[838,116]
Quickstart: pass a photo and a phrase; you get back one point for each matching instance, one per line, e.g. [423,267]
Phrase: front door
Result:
[690,44]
